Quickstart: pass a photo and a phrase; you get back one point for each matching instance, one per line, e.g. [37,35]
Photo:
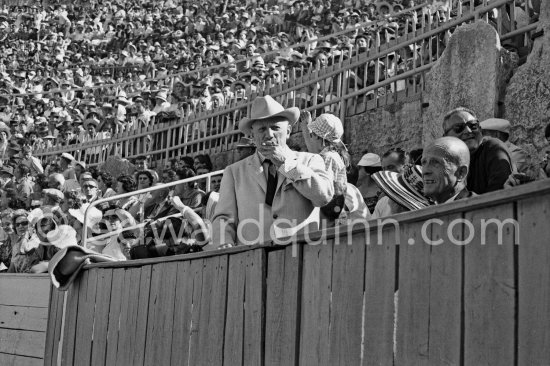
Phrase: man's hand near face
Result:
[276,153]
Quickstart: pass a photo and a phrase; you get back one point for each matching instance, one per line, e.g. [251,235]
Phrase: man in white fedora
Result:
[275,192]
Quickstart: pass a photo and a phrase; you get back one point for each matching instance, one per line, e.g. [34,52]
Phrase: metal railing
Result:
[347,87]
[85,239]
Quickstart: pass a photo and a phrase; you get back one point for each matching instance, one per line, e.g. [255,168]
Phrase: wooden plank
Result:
[315,304]
[446,292]
[212,319]
[152,343]
[26,290]
[533,281]
[348,272]
[380,275]
[194,351]
[489,290]
[15,360]
[85,321]
[138,350]
[182,314]
[128,317]
[254,296]
[55,295]
[283,306]
[234,325]
[101,317]
[22,342]
[118,287]
[161,314]
[76,296]
[24,317]
[413,297]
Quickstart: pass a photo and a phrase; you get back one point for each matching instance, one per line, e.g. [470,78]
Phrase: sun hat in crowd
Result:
[328,127]
[55,194]
[496,124]
[67,156]
[267,107]
[370,159]
[93,218]
[6,169]
[162,95]
[62,236]
[5,128]
[405,189]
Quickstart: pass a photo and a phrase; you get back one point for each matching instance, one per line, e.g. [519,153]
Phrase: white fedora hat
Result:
[267,107]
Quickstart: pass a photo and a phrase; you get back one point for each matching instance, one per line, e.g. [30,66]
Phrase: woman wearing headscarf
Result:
[323,136]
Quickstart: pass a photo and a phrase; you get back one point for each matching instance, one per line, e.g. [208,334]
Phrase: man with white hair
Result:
[274,192]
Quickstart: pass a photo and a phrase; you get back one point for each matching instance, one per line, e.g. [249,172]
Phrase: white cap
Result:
[370,159]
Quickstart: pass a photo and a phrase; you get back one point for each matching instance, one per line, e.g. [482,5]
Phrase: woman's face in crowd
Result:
[144,181]
[7,225]
[120,188]
[21,225]
[44,227]
[391,163]
[114,222]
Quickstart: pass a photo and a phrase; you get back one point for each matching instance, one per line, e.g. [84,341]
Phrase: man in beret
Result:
[499,128]
[274,192]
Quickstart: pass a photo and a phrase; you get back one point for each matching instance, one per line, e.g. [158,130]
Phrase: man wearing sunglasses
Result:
[490,163]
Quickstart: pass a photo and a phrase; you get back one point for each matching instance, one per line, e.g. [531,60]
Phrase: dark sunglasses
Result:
[22,223]
[472,125]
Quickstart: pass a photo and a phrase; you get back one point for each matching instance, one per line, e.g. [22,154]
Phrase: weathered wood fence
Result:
[24,303]
[466,283]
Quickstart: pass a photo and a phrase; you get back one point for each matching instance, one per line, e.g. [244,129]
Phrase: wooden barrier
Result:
[24,301]
[445,285]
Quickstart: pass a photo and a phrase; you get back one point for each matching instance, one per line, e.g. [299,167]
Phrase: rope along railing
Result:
[366,80]
[142,222]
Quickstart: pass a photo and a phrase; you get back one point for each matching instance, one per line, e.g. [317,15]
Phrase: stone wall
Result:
[378,130]
[472,72]
[527,103]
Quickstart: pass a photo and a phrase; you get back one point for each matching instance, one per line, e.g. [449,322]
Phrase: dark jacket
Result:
[490,166]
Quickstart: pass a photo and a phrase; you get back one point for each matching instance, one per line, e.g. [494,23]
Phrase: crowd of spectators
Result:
[69,76]
[37,200]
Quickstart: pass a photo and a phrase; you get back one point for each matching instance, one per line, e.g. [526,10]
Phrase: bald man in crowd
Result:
[490,161]
[445,165]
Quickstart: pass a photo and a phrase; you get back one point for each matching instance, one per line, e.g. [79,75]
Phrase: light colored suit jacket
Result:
[241,215]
